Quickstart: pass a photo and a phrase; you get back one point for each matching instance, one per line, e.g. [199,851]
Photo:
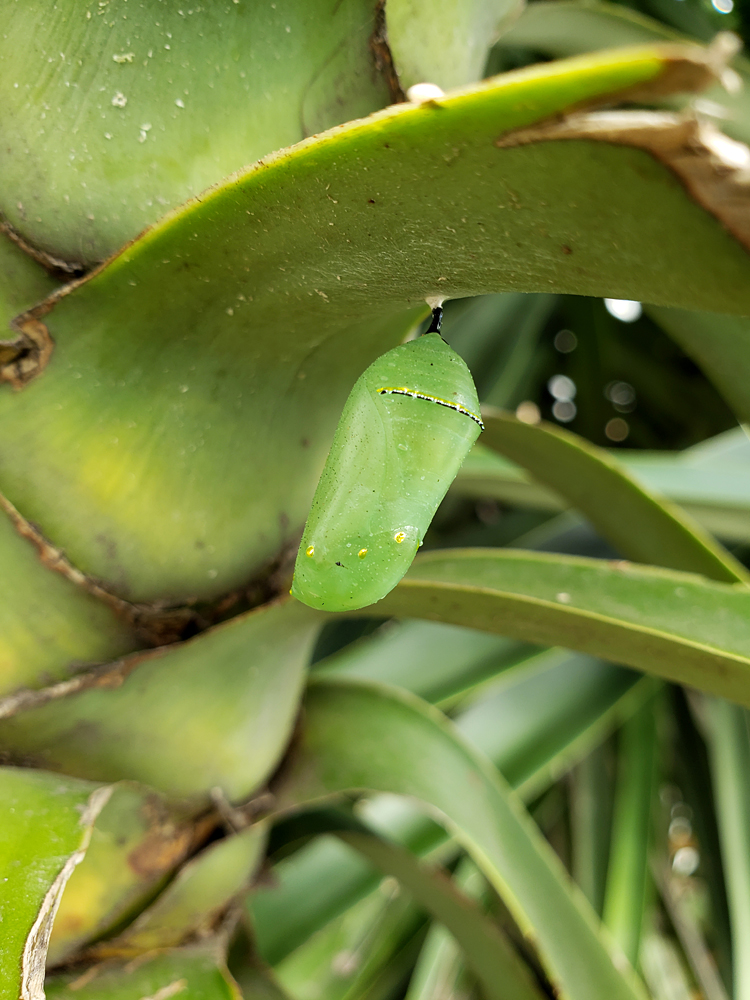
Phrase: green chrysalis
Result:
[407,426]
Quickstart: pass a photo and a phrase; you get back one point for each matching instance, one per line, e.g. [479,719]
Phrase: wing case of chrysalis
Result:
[407,426]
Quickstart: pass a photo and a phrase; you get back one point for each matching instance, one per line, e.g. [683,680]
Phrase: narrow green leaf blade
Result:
[430,659]
[628,872]
[675,625]
[358,736]
[497,967]
[729,745]
[640,525]
[532,730]
[719,501]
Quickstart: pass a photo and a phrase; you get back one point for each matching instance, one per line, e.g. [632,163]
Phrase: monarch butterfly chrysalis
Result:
[407,426]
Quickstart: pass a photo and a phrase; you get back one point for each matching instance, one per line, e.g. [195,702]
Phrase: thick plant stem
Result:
[628,868]
[730,760]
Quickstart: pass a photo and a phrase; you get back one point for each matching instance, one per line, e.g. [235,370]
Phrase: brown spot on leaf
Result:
[27,355]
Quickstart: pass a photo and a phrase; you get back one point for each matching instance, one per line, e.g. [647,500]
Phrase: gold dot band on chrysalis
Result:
[402,390]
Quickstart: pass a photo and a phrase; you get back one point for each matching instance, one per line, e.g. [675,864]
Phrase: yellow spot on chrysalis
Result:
[310,550]
[362,553]
[400,536]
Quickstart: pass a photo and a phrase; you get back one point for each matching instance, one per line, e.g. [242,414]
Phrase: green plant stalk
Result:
[628,868]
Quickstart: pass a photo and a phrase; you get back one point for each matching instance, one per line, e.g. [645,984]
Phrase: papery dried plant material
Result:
[714,169]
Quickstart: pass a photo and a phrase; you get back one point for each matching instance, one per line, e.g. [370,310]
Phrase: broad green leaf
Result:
[445,41]
[138,839]
[493,961]
[45,830]
[729,745]
[532,730]
[193,973]
[720,345]
[215,711]
[49,627]
[113,114]
[675,625]
[193,903]
[288,279]
[23,282]
[638,524]
[719,501]
[560,28]
[628,872]
[359,736]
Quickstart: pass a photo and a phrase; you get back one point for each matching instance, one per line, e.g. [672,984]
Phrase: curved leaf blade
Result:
[531,730]
[639,525]
[432,660]
[498,968]
[718,498]
[359,736]
[560,28]
[675,625]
